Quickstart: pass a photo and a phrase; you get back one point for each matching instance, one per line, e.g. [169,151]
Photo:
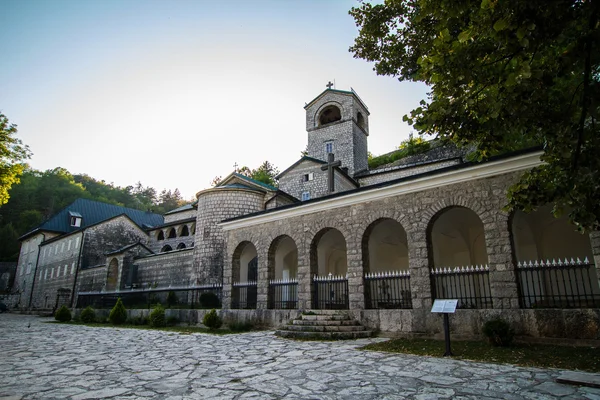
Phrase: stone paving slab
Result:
[52,361]
[579,378]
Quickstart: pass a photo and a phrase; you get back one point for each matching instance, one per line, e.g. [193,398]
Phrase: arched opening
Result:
[329,266]
[360,120]
[166,248]
[184,231]
[329,114]
[385,263]
[160,236]
[172,233]
[555,266]
[458,258]
[245,276]
[193,229]
[112,277]
[181,246]
[283,270]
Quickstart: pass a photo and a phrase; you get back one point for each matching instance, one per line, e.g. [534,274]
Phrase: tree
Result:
[503,75]
[12,155]
[265,173]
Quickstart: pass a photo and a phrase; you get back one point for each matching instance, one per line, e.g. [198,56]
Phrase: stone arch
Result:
[166,248]
[328,253]
[112,276]
[329,113]
[172,233]
[244,270]
[181,246]
[456,237]
[385,246]
[193,229]
[184,231]
[160,235]
[283,258]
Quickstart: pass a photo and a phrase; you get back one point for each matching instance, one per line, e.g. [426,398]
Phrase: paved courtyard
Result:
[47,361]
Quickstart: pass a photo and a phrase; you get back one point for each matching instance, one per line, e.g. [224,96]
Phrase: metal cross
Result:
[235,165]
[329,168]
[329,85]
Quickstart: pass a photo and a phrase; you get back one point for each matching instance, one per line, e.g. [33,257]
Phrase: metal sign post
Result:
[445,307]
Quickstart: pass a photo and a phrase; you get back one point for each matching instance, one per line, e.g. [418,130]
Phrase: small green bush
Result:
[157,317]
[237,326]
[209,300]
[88,315]
[212,321]
[172,321]
[63,314]
[172,299]
[138,321]
[118,314]
[499,332]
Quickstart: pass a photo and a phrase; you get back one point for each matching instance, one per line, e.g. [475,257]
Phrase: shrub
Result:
[172,299]
[118,314]
[172,321]
[499,332]
[237,326]
[157,317]
[212,321]
[138,321]
[209,300]
[63,314]
[88,315]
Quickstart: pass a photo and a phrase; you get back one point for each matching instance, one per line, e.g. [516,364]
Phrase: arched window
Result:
[181,246]
[166,248]
[185,231]
[360,120]
[172,233]
[161,236]
[329,114]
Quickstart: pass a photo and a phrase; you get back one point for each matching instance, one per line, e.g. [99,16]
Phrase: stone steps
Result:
[324,325]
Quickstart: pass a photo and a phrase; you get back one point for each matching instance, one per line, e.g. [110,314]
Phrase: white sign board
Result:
[444,306]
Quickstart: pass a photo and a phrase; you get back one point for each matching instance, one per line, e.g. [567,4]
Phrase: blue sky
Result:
[173,93]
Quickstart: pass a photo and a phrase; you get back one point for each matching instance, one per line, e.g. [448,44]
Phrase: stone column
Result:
[503,283]
[262,285]
[356,287]
[418,265]
[227,290]
[304,277]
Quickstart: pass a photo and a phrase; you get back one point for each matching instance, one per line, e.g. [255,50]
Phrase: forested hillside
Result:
[41,194]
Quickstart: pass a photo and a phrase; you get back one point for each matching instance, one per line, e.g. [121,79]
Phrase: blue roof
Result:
[93,212]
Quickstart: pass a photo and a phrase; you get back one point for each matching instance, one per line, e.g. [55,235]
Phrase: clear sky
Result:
[173,93]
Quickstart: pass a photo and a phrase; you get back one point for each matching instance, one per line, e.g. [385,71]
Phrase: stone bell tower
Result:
[337,121]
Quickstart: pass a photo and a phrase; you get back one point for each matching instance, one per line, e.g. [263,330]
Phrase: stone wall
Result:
[191,213]
[188,241]
[91,279]
[294,184]
[390,173]
[167,269]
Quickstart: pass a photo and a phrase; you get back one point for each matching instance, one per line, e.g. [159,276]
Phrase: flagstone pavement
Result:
[40,360]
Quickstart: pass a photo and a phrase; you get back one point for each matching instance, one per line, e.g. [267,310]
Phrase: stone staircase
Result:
[324,325]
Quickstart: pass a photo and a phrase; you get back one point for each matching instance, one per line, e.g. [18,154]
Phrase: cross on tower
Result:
[235,165]
[329,168]
[329,85]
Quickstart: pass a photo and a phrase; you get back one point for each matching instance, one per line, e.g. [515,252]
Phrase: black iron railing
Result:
[558,284]
[330,292]
[388,290]
[469,285]
[283,294]
[244,295]
[170,297]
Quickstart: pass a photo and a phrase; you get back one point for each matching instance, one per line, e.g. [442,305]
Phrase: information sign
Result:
[444,306]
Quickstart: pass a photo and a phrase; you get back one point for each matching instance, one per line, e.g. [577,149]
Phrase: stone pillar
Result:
[262,285]
[227,290]
[418,265]
[356,287]
[304,276]
[503,283]
[595,243]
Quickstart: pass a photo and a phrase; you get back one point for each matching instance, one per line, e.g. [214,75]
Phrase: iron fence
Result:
[388,290]
[330,292]
[469,285]
[244,295]
[283,294]
[170,297]
[558,284]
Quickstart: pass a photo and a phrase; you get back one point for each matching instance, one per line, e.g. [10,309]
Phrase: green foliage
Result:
[265,173]
[237,326]
[172,321]
[157,317]
[409,147]
[209,300]
[139,321]
[172,299]
[9,243]
[211,320]
[12,155]
[63,314]
[88,315]
[499,332]
[504,75]
[118,314]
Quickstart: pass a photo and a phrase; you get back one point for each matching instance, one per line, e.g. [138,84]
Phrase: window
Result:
[72,268]
[76,222]
[65,271]
[161,236]
[305,196]
[62,248]
[56,250]
[51,273]
[328,147]
[29,268]
[58,271]
[172,233]
[77,243]
[46,274]
[308,177]
[69,246]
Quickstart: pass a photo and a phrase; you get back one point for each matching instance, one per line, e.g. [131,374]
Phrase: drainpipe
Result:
[77,269]
[37,261]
